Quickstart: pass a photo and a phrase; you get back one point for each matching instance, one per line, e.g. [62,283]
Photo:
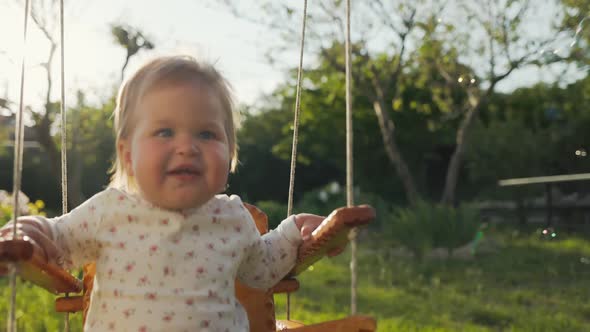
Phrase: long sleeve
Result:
[270,257]
[74,232]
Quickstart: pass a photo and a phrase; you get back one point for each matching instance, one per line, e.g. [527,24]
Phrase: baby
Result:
[167,245]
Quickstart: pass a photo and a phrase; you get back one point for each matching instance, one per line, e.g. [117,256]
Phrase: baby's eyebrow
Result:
[210,124]
[199,125]
[162,122]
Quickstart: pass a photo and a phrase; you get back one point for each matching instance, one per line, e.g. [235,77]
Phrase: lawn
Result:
[527,284]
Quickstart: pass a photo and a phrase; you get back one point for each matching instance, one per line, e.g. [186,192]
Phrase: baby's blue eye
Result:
[164,132]
[207,135]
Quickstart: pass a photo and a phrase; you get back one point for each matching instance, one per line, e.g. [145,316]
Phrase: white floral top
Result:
[160,270]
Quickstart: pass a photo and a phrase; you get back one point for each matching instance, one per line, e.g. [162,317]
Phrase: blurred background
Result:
[449,98]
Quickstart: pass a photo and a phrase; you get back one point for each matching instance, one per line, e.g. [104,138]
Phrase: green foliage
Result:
[5,214]
[261,175]
[533,131]
[91,147]
[518,146]
[575,21]
[459,227]
[130,38]
[35,309]
[490,317]
[324,200]
[91,143]
[4,134]
[422,107]
[33,208]
[425,108]
[415,228]
[425,226]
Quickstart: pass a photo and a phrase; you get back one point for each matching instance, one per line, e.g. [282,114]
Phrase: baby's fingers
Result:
[14,251]
[52,252]
[308,223]
[39,239]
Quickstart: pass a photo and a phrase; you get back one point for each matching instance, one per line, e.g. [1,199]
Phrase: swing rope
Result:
[349,165]
[296,131]
[19,151]
[17,171]
[64,159]
[297,111]
[64,148]
[349,151]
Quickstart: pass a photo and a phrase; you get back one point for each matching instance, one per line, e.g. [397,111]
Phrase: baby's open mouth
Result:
[184,170]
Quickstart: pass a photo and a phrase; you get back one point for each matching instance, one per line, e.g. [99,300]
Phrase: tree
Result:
[487,35]
[132,40]
[322,134]
[45,16]
[330,27]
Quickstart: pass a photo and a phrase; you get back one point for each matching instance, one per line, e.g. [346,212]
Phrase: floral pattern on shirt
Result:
[160,270]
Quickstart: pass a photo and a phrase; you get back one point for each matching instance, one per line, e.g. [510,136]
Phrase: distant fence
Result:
[567,210]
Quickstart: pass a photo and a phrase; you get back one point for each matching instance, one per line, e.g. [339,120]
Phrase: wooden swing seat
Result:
[259,304]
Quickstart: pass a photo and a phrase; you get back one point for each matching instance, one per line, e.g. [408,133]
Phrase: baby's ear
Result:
[124,152]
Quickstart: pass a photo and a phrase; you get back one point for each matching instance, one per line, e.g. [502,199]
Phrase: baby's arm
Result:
[67,240]
[270,257]
[273,255]
[75,232]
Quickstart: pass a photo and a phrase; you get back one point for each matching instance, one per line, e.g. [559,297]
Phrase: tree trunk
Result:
[448,196]
[475,102]
[387,132]
[388,135]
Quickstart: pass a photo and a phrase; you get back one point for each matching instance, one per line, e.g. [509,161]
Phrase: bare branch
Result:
[333,17]
[42,24]
[410,24]
[379,9]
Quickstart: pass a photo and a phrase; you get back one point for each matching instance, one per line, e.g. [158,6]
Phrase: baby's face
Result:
[178,150]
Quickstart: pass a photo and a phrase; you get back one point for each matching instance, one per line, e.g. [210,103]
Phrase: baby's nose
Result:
[188,146]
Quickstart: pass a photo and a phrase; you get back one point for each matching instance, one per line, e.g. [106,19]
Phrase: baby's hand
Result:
[39,234]
[307,223]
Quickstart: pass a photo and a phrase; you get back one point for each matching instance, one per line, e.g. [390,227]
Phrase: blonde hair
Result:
[167,70]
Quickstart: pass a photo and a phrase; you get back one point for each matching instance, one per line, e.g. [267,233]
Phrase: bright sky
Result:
[93,60]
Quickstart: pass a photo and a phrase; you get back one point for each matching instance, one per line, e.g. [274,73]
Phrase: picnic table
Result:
[549,182]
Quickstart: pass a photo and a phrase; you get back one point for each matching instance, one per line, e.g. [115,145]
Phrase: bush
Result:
[427,225]
[35,309]
[27,208]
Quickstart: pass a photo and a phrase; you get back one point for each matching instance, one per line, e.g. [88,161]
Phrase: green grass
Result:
[35,309]
[527,285]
